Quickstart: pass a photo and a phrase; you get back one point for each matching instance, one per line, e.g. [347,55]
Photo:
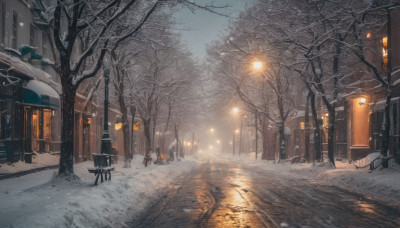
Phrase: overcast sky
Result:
[202,27]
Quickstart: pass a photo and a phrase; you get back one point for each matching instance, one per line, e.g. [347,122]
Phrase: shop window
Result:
[35,130]
[47,125]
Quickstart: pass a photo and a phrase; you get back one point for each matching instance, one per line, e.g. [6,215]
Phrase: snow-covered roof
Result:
[21,67]
[380,105]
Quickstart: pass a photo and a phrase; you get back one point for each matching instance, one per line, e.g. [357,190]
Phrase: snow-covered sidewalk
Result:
[38,161]
[380,184]
[40,200]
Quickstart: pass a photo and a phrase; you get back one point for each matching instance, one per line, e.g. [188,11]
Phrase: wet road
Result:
[222,193]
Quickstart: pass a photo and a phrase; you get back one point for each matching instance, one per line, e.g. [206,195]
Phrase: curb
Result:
[23,173]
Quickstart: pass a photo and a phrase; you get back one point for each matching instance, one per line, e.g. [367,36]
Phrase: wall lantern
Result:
[368,35]
[118,123]
[363,100]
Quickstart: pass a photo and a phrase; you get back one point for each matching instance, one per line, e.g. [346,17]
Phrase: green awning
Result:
[37,93]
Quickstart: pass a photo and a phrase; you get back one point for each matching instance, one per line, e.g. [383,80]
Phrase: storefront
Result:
[26,110]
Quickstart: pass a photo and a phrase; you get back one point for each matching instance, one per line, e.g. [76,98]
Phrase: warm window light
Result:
[188,143]
[237,131]
[118,126]
[302,125]
[212,129]
[218,141]
[363,101]
[257,65]
[385,41]
[368,35]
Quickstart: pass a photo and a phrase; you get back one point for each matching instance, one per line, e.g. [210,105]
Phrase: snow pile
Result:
[381,184]
[45,201]
[38,161]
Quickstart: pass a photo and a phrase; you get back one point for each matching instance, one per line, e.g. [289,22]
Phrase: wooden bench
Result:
[99,171]
[102,166]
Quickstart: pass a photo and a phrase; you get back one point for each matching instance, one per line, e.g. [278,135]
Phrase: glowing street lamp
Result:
[218,141]
[257,65]
[212,130]
[235,110]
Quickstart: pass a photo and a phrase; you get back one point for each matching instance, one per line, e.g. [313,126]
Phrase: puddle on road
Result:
[187,210]
[365,207]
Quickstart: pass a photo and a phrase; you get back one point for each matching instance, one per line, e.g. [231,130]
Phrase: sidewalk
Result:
[39,162]
[46,201]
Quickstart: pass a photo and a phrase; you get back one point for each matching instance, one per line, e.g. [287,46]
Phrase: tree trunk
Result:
[385,131]
[317,130]
[282,143]
[125,127]
[331,134]
[66,168]
[146,128]
[176,131]
[256,132]
[265,138]
[307,130]
[133,113]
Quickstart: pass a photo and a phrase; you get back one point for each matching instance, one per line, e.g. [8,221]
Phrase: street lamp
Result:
[257,65]
[106,140]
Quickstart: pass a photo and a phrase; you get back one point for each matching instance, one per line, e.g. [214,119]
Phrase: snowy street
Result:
[226,193]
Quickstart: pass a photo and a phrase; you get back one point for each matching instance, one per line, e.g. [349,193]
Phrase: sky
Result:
[202,27]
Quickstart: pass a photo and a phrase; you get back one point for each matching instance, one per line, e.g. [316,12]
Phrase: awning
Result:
[37,93]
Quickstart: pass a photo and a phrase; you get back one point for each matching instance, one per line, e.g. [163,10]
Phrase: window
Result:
[32,37]
[45,45]
[3,23]
[385,52]
[14,30]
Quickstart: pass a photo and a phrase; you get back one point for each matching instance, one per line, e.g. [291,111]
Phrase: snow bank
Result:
[381,184]
[41,200]
[38,161]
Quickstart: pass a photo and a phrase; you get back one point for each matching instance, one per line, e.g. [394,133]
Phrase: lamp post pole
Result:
[240,137]
[233,144]
[106,140]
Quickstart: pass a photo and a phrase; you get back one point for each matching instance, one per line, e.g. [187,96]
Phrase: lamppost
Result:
[233,141]
[236,110]
[106,140]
